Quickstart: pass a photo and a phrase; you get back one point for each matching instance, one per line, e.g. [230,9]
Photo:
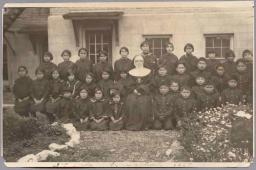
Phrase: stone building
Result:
[207,25]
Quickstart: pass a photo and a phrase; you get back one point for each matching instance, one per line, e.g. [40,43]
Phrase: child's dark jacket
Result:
[48,68]
[22,87]
[231,95]
[184,106]
[163,105]
[190,61]
[82,108]
[168,61]
[64,67]
[83,66]
[40,89]
[98,108]
[122,65]
[116,110]
[100,67]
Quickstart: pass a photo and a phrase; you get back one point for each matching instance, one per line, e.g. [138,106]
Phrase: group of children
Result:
[93,96]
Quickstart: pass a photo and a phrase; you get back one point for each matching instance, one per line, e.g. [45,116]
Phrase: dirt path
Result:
[111,146]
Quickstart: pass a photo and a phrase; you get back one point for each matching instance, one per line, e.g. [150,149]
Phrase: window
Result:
[219,43]
[157,43]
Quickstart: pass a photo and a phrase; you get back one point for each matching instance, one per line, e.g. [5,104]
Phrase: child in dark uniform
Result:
[83,65]
[124,83]
[82,109]
[105,83]
[150,61]
[189,59]
[174,89]
[66,66]
[116,112]
[39,92]
[184,105]
[181,75]
[56,86]
[212,62]
[90,84]
[98,113]
[198,88]
[21,91]
[230,65]
[73,84]
[47,66]
[163,109]
[102,65]
[220,78]
[160,78]
[201,69]
[168,60]
[124,64]
[232,94]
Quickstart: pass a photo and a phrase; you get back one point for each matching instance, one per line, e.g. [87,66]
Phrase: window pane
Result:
[92,48]
[217,42]
[107,37]
[224,50]
[209,41]
[225,43]
[157,43]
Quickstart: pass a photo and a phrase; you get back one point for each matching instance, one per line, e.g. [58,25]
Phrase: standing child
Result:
[124,64]
[210,98]
[220,78]
[150,61]
[82,109]
[189,59]
[230,65]
[116,111]
[39,92]
[98,113]
[83,65]
[197,89]
[102,65]
[174,89]
[21,91]
[201,69]
[66,66]
[168,60]
[105,83]
[90,84]
[56,86]
[47,66]
[232,94]
[181,75]
[184,105]
[73,84]
[164,109]
[212,62]
[160,78]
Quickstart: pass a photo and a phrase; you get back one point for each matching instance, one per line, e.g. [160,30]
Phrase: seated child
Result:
[98,113]
[212,62]
[39,92]
[82,109]
[230,65]
[66,66]
[189,59]
[168,60]
[210,98]
[89,83]
[184,105]
[201,69]
[21,91]
[198,88]
[232,94]
[160,77]
[66,106]
[83,64]
[163,109]
[181,75]
[124,83]
[220,78]
[47,66]
[73,84]
[105,83]
[116,112]
[56,86]
[174,89]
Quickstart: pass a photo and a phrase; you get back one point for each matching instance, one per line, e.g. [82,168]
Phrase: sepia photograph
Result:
[128,84]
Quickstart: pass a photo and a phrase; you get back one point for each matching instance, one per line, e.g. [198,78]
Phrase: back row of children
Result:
[94,96]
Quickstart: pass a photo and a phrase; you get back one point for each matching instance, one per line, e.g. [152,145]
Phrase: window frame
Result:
[230,36]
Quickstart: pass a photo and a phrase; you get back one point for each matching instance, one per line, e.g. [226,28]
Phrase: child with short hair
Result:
[21,91]
[168,60]
[82,109]
[105,83]
[197,89]
[185,104]
[73,84]
[181,75]
[210,98]
[232,94]
[150,61]
[124,64]
[89,83]
[160,78]
[47,66]
[212,62]
[56,86]
[66,66]
[164,109]
[102,65]
[124,83]
[220,78]
[230,65]
[39,92]
[201,69]
[83,64]
[174,89]
[116,112]
[98,113]
[189,59]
